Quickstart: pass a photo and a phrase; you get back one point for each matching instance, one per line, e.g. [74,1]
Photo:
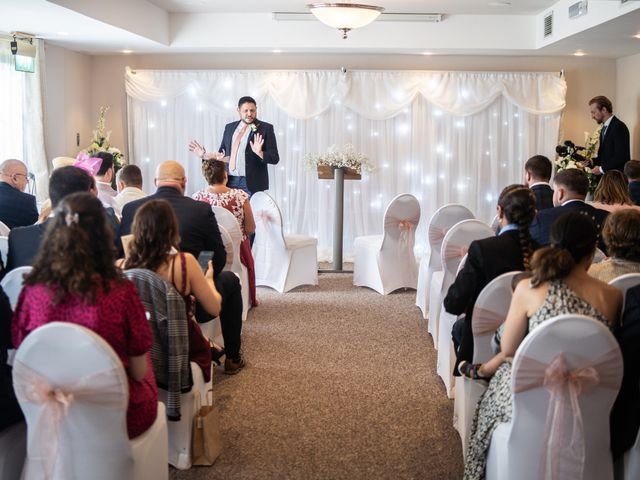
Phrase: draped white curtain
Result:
[21,116]
[446,137]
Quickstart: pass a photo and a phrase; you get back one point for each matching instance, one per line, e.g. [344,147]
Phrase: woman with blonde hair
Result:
[612,193]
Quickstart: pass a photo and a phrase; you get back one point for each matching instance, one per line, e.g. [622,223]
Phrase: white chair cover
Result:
[454,248]
[281,262]
[624,283]
[386,262]
[598,256]
[565,377]
[12,284]
[229,246]
[4,248]
[441,221]
[13,450]
[631,461]
[75,408]
[489,312]
[228,220]
[4,231]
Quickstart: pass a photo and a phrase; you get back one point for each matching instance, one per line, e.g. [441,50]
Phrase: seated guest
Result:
[237,202]
[537,174]
[104,176]
[24,242]
[625,415]
[45,208]
[10,412]
[155,247]
[199,232]
[17,208]
[632,171]
[129,183]
[621,234]
[75,279]
[489,258]
[559,284]
[571,187]
[612,193]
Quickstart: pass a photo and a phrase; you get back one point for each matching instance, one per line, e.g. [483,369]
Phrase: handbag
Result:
[207,439]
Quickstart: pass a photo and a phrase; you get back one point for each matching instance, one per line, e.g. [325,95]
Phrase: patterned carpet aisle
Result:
[340,383]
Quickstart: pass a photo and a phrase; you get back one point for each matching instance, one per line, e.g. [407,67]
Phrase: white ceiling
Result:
[469,27]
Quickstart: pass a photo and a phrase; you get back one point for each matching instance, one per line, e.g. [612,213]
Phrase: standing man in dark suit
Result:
[615,147]
[17,208]
[632,171]
[198,232]
[250,145]
[537,174]
[570,190]
[24,242]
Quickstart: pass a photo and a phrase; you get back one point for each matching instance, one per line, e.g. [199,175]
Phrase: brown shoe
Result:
[232,367]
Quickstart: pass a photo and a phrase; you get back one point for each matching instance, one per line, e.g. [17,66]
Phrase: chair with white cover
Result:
[386,262]
[12,284]
[228,246]
[75,408]
[281,262]
[631,461]
[4,231]
[624,283]
[454,247]
[565,377]
[228,221]
[441,221]
[489,312]
[598,256]
[4,248]
[13,450]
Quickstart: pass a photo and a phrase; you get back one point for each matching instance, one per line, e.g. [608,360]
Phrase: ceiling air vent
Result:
[548,24]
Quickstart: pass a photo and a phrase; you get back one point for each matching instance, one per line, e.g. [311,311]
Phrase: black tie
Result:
[604,129]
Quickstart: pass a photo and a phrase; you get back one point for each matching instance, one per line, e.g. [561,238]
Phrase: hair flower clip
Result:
[72,218]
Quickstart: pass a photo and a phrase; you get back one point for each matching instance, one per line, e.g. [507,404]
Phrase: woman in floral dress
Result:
[237,202]
[559,284]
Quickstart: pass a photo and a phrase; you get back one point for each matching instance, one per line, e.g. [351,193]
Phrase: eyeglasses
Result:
[25,175]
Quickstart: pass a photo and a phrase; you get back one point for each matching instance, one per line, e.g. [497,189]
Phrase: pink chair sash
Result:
[102,389]
[436,234]
[563,451]
[453,252]
[266,218]
[485,321]
[405,225]
[91,165]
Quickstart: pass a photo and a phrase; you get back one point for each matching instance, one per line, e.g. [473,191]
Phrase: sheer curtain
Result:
[21,117]
[446,137]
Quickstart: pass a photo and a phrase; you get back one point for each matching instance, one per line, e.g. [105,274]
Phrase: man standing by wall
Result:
[250,145]
[614,149]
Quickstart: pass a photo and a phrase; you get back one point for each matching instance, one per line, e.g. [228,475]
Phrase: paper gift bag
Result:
[207,440]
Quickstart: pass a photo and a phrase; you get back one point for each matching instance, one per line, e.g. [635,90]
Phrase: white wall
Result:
[628,98]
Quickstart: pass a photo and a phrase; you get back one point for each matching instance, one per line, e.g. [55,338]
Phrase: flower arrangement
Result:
[100,141]
[345,157]
[571,155]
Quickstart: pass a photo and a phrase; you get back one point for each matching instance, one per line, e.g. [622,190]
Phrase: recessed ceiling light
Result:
[500,3]
[427,53]
[579,53]
[62,33]
[276,50]
[637,35]
[126,51]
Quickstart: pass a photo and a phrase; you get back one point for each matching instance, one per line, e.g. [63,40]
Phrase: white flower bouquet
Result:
[100,141]
[345,157]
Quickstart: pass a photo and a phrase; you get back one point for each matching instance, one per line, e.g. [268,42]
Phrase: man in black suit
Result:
[487,259]
[615,148]
[537,173]
[250,145]
[17,208]
[570,190]
[632,171]
[24,242]
[198,232]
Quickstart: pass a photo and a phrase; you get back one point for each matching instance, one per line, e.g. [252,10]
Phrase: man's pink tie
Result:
[235,147]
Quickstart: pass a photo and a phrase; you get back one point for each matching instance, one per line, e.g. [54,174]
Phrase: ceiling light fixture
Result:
[579,53]
[345,16]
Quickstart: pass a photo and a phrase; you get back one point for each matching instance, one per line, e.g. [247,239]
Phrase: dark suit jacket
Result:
[198,226]
[544,196]
[634,192]
[17,208]
[10,412]
[541,225]
[256,168]
[625,414]
[615,150]
[487,259]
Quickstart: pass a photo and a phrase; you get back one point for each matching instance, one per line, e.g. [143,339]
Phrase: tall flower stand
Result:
[339,175]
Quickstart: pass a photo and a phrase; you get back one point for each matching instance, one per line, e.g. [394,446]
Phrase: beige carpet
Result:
[340,383]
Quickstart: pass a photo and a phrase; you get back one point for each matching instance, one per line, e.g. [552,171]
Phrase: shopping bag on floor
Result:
[207,439]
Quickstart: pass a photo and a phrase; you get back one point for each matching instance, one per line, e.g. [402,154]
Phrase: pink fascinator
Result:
[91,165]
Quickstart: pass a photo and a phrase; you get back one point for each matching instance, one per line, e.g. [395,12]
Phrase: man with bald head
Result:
[199,232]
[17,208]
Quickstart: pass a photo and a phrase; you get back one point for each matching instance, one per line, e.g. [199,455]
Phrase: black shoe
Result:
[216,354]
[231,367]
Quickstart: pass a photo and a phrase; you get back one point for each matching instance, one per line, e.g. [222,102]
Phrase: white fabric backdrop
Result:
[443,136]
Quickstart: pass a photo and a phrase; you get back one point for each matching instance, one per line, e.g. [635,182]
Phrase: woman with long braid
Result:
[488,258]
